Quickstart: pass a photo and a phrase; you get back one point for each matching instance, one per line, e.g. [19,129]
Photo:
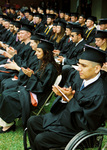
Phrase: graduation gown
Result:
[39,28]
[85,111]
[66,46]
[59,46]
[15,102]
[73,55]
[90,35]
[32,63]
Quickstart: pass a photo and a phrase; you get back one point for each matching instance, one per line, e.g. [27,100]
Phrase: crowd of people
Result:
[37,45]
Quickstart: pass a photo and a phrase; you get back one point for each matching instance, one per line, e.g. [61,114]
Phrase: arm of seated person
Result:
[12,65]
[68,92]
[104,67]
[27,71]
[6,54]
[56,52]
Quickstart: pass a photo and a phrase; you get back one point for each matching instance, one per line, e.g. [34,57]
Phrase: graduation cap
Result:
[56,11]
[101,34]
[27,27]
[77,28]
[52,16]
[17,24]
[67,13]
[27,11]
[7,18]
[31,13]
[38,15]
[46,45]
[62,24]
[82,15]
[12,8]
[93,18]
[103,21]
[42,8]
[51,8]
[55,23]
[61,11]
[22,10]
[74,14]
[93,54]
[37,36]
[70,25]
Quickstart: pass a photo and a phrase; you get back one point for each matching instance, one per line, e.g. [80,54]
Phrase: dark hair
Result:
[48,58]
[60,35]
[80,33]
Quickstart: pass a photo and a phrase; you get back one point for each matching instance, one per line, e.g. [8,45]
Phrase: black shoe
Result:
[13,128]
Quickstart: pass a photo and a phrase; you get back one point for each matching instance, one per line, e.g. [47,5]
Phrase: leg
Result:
[34,125]
[41,139]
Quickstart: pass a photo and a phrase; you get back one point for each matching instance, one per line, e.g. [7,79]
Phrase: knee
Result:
[30,121]
[39,141]
[66,68]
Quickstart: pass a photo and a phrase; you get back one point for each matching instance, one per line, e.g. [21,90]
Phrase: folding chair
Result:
[57,81]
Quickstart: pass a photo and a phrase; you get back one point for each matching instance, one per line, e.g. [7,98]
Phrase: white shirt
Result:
[91,28]
[87,82]
[75,45]
[79,42]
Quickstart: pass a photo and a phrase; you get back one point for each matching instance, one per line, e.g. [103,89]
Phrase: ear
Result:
[97,69]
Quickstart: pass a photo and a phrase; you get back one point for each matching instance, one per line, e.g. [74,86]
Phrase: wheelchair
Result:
[84,140]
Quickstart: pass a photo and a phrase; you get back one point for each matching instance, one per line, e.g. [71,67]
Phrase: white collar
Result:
[91,28]
[70,38]
[50,26]
[87,82]
[79,42]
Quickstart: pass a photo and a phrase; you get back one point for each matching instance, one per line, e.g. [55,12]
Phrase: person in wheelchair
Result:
[80,105]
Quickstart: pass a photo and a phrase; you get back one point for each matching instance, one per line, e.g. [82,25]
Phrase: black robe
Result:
[19,97]
[74,53]
[86,110]
[39,28]
[59,46]
[90,35]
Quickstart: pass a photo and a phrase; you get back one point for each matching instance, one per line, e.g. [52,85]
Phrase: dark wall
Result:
[60,3]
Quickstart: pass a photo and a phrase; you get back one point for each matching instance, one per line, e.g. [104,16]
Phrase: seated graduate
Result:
[54,32]
[15,102]
[67,44]
[29,66]
[60,39]
[82,107]
[74,52]
[101,39]
[103,23]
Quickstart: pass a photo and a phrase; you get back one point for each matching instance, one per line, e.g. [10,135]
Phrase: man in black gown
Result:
[83,109]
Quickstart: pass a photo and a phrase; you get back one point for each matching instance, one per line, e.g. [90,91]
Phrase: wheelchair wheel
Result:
[84,140]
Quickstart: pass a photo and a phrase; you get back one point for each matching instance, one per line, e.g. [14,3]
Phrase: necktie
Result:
[68,40]
[82,86]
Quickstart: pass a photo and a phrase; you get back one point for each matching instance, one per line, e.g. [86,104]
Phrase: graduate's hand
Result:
[12,65]
[104,67]
[1,44]
[11,51]
[56,52]
[68,92]
[56,91]
[60,59]
[7,55]
[27,71]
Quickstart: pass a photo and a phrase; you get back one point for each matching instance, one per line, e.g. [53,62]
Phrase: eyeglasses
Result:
[73,35]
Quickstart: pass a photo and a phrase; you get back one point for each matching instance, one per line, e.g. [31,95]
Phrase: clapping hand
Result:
[27,71]
[68,92]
